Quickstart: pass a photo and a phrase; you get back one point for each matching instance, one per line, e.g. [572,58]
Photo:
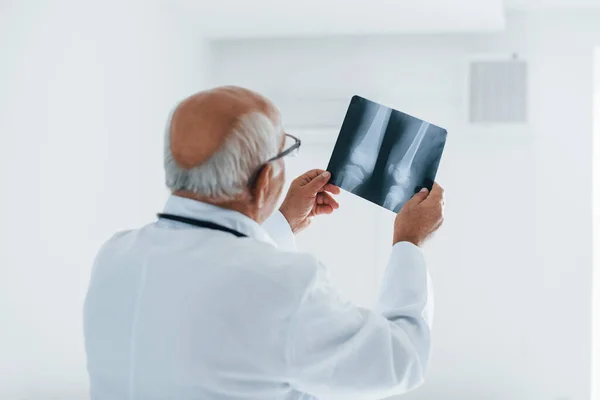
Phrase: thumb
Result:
[318,182]
[419,197]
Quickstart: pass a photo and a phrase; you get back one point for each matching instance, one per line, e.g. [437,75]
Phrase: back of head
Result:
[217,139]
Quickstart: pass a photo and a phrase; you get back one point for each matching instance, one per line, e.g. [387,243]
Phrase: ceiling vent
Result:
[498,91]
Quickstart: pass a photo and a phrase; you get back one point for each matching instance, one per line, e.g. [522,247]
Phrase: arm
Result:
[338,349]
[309,195]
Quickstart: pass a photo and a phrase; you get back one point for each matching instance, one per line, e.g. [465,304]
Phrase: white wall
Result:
[596,236]
[513,264]
[85,91]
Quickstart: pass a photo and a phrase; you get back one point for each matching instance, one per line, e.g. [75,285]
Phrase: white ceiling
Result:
[538,5]
[280,18]
[235,19]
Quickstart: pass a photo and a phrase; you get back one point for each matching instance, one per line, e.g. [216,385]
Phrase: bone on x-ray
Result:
[384,155]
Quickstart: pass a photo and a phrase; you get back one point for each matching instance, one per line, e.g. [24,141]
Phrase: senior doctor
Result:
[212,301]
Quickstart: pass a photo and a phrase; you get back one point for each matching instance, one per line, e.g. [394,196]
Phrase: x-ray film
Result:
[385,156]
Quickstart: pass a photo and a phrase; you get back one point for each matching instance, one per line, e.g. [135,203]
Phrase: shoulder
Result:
[113,248]
[116,241]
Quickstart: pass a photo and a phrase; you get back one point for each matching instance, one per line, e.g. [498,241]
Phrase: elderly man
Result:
[212,301]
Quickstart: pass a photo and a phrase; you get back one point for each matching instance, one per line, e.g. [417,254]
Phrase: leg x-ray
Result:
[385,156]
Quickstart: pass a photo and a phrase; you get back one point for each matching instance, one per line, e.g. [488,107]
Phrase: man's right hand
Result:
[420,217]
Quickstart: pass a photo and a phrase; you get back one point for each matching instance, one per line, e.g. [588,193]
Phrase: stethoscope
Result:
[200,224]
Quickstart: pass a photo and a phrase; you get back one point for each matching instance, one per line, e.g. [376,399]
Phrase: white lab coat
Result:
[179,312]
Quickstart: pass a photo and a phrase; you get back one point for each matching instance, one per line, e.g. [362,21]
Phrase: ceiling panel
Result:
[281,18]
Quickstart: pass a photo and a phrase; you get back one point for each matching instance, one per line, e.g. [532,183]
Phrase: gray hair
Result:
[254,139]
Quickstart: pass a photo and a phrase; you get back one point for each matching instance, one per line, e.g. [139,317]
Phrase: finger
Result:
[418,198]
[331,201]
[308,176]
[323,209]
[437,192]
[436,197]
[318,183]
[331,188]
[326,198]
[439,224]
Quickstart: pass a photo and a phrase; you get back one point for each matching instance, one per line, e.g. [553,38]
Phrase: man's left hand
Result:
[309,195]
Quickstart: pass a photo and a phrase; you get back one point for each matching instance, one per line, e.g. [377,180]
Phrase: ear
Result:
[262,184]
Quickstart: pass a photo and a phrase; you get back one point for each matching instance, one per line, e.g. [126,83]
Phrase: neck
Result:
[237,204]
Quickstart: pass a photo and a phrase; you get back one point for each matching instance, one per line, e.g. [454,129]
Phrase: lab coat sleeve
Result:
[338,350]
[279,230]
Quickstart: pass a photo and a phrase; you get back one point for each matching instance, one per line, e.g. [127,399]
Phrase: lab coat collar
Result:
[208,212]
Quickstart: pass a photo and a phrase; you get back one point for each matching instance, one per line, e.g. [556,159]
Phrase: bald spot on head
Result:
[201,123]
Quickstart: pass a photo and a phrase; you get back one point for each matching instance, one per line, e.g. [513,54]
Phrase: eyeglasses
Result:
[291,148]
